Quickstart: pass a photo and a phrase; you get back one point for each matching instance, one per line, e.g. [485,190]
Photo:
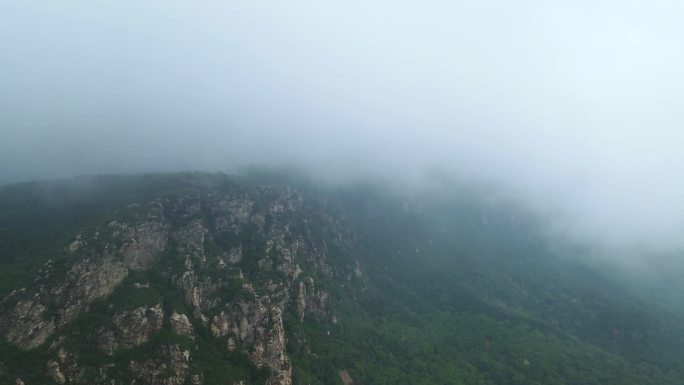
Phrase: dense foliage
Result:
[459,289]
[465,291]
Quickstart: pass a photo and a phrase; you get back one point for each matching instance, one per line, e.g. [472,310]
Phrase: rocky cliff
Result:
[225,263]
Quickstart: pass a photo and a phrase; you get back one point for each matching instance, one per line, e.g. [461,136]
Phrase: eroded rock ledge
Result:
[240,261]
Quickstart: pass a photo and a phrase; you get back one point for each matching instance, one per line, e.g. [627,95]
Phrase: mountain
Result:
[262,279]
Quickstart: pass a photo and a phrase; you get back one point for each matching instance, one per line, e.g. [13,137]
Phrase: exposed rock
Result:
[265,264]
[107,341]
[300,300]
[138,325]
[182,326]
[64,369]
[250,321]
[93,277]
[25,325]
[172,367]
[308,299]
[190,240]
[133,327]
[90,279]
[269,351]
[196,379]
[54,372]
[13,294]
[234,256]
[143,242]
[197,290]
[43,274]
[76,244]
[231,210]
[257,325]
[231,344]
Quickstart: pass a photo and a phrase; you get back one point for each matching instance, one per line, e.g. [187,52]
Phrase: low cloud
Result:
[575,107]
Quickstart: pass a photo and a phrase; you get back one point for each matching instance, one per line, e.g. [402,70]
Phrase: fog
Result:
[574,106]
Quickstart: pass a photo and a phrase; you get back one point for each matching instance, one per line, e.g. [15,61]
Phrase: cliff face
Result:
[232,261]
[49,305]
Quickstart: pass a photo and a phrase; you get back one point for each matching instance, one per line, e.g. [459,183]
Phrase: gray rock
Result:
[181,325]
[54,372]
[91,278]
[172,368]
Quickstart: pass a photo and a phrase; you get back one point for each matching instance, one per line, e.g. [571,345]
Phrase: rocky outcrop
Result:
[138,325]
[64,368]
[256,325]
[54,372]
[190,240]
[241,261]
[254,322]
[91,278]
[309,299]
[140,244]
[231,210]
[132,328]
[198,290]
[269,350]
[170,367]
[104,265]
[25,325]
[180,324]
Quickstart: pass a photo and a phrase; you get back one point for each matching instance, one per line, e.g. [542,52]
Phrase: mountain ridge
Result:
[202,279]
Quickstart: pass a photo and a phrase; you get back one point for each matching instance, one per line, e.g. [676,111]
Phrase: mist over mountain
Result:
[573,106]
[307,192]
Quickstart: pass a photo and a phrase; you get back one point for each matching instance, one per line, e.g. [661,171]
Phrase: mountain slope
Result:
[209,279]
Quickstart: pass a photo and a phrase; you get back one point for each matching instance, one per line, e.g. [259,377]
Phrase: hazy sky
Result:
[576,105]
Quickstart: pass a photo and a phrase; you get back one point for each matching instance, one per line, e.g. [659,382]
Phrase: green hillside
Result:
[360,284]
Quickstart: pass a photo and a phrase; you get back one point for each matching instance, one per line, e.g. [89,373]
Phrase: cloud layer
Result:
[575,106]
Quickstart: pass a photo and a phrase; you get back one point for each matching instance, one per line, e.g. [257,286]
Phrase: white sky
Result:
[576,105]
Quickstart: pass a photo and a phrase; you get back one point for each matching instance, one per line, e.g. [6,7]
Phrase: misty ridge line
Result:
[434,187]
[574,113]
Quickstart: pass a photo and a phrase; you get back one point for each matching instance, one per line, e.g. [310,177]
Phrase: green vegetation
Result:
[455,289]
[455,299]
